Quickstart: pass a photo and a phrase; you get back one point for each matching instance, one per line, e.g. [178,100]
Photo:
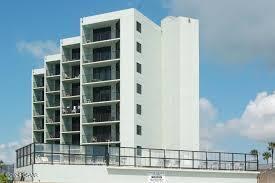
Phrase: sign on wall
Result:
[156,179]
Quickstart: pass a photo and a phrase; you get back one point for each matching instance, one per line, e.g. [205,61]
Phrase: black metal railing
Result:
[101,56]
[100,138]
[90,78]
[71,110]
[101,97]
[71,76]
[136,157]
[70,93]
[99,117]
[73,57]
[37,84]
[88,37]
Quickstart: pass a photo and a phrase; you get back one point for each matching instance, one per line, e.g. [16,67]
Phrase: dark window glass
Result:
[139,68]
[139,88]
[138,109]
[139,27]
[102,73]
[103,53]
[102,34]
[138,47]
[139,130]
[75,53]
[102,94]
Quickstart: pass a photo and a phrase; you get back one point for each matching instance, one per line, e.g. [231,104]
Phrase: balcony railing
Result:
[73,57]
[101,97]
[70,93]
[53,135]
[71,110]
[101,56]
[71,128]
[100,138]
[135,157]
[71,76]
[99,117]
[38,99]
[53,73]
[38,113]
[90,78]
[104,36]
[53,120]
[54,103]
[38,84]
[38,127]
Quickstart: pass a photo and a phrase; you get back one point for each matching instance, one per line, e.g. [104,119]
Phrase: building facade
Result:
[125,81]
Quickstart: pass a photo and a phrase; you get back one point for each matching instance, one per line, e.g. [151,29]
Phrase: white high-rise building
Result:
[125,81]
[120,103]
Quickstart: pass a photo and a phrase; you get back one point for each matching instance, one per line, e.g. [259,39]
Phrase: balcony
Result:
[53,120]
[92,79]
[53,104]
[105,97]
[100,139]
[71,111]
[53,136]
[38,127]
[38,83]
[101,56]
[71,77]
[100,119]
[71,94]
[100,35]
[74,57]
[53,72]
[38,113]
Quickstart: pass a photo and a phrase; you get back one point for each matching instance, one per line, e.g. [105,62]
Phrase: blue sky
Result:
[235,61]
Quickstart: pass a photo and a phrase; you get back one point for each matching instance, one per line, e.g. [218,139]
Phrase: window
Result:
[139,68]
[139,27]
[138,47]
[139,88]
[139,130]
[138,109]
[139,148]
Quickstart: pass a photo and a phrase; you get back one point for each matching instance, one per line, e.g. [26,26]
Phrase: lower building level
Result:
[70,163]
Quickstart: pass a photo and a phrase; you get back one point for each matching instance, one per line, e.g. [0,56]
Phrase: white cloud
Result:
[38,49]
[257,122]
[232,31]
[7,150]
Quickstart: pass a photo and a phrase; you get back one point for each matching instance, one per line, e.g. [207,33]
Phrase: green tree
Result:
[254,152]
[271,147]
[1,165]
[266,156]
[3,178]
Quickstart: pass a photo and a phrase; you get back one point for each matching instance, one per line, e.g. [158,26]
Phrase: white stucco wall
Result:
[150,80]
[82,173]
[180,83]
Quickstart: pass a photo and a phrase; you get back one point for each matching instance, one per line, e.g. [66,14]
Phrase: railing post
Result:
[119,156]
[193,159]
[34,153]
[69,154]
[164,159]
[135,156]
[179,157]
[257,162]
[220,160]
[206,158]
[245,162]
[232,161]
[52,153]
[150,158]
